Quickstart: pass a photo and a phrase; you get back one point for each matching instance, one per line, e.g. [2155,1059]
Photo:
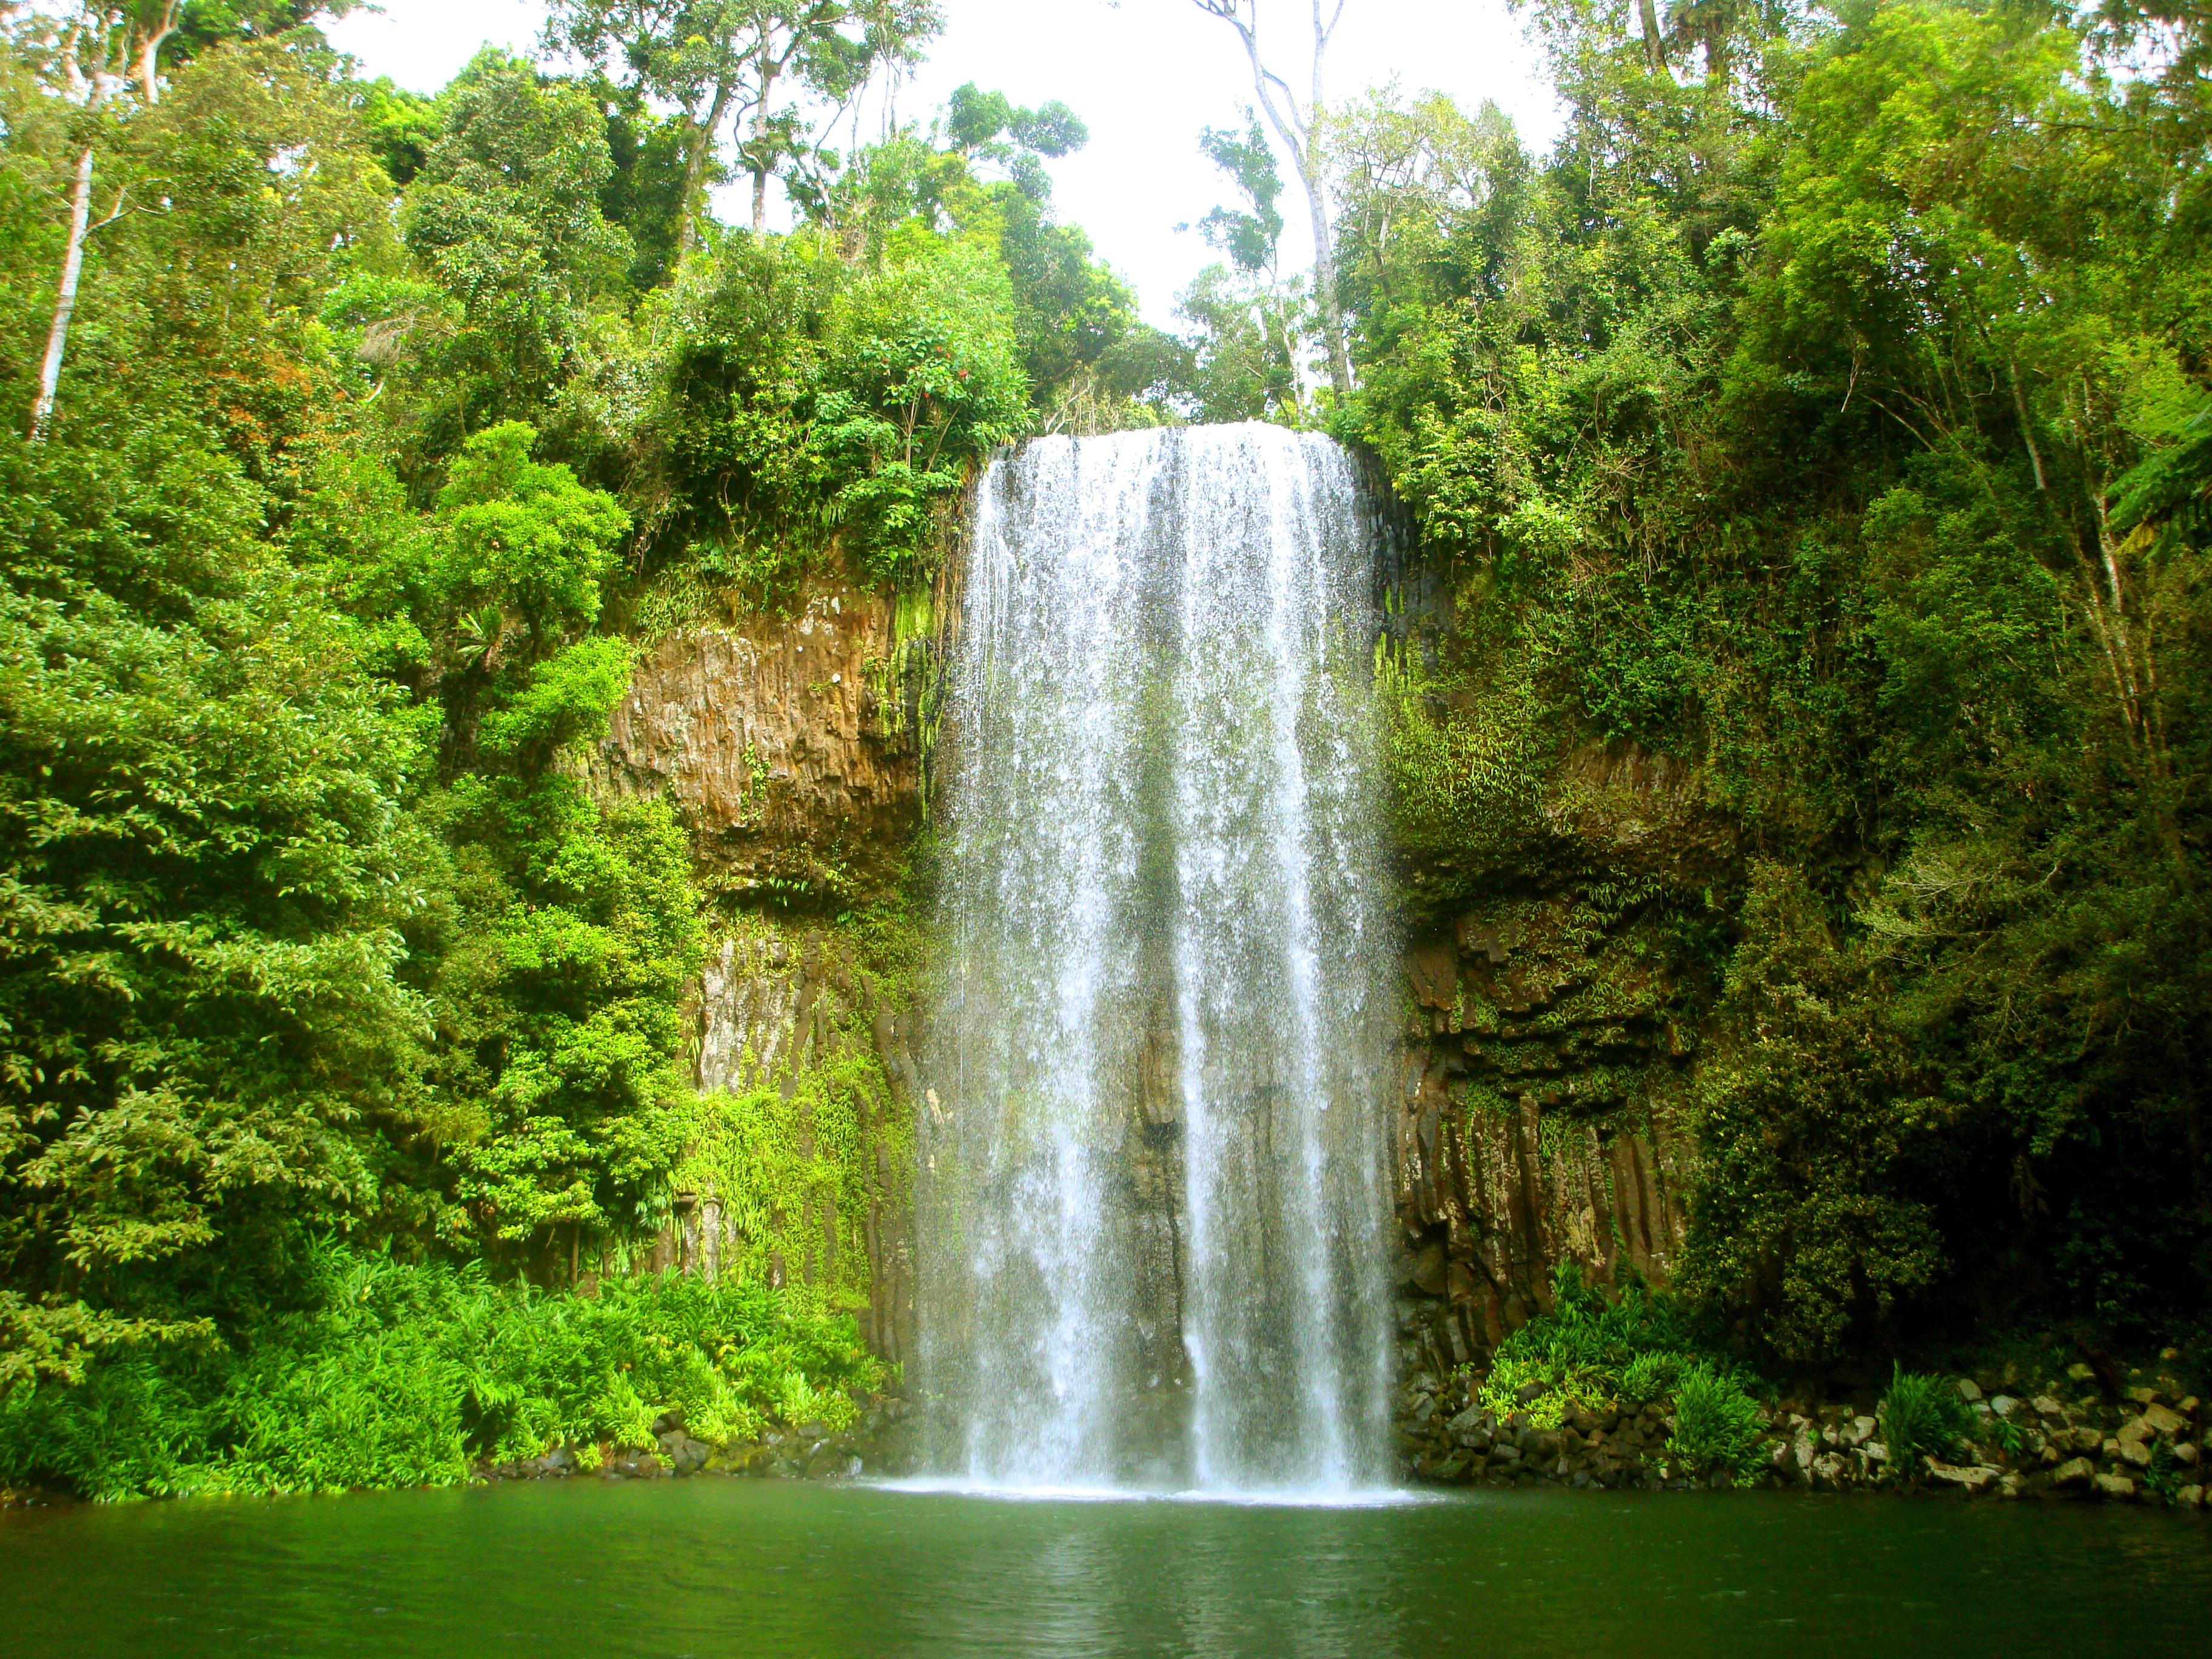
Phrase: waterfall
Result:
[1152,1188]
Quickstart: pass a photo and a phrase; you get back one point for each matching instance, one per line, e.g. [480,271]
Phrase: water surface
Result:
[762,1570]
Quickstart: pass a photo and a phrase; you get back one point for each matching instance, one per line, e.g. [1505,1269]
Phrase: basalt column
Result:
[1153,1191]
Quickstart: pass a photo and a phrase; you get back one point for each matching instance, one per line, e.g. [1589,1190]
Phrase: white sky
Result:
[1146,75]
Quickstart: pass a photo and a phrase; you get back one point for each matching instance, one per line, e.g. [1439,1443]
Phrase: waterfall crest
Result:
[1153,1190]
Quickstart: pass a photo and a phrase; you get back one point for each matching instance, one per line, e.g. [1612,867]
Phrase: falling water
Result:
[1153,1190]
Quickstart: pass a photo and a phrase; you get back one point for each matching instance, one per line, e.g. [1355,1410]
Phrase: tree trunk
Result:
[50,372]
[697,149]
[760,156]
[1331,307]
[1655,45]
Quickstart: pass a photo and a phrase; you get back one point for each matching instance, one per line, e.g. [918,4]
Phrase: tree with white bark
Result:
[96,52]
[1299,126]
[105,59]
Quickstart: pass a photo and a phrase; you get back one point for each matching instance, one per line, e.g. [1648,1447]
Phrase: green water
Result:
[759,1570]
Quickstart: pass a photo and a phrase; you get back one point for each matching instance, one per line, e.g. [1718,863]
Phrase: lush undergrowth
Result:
[399,1375]
[1588,1354]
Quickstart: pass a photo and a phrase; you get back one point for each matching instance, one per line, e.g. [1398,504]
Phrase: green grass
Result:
[400,1375]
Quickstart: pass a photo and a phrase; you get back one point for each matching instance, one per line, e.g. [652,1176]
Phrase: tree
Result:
[723,62]
[1251,235]
[205,867]
[94,55]
[102,60]
[506,218]
[1300,129]
[1245,353]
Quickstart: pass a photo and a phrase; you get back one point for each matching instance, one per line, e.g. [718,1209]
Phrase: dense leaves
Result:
[1825,414]
[377,412]
[392,1373]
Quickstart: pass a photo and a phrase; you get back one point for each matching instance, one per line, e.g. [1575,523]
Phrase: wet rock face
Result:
[789,744]
[778,1004]
[1551,1026]
[793,774]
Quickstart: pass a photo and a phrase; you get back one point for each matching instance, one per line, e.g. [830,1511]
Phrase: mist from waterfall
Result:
[1152,1188]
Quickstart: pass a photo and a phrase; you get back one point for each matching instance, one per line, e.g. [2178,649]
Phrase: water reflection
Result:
[762,1570]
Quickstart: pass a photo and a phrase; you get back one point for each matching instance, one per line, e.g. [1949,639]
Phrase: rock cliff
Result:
[789,743]
[1549,1017]
[785,743]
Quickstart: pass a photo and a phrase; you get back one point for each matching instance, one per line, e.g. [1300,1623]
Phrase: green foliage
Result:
[798,1157]
[1587,1354]
[505,220]
[1583,1349]
[1651,1376]
[390,1374]
[380,413]
[523,535]
[1821,422]
[205,867]
[570,695]
[1717,1427]
[1922,1416]
[1803,1219]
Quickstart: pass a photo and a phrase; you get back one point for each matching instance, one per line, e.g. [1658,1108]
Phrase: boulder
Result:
[685,1456]
[1473,1417]
[2076,1473]
[2135,1453]
[1969,1390]
[2158,1419]
[2186,1452]
[1974,1477]
[2045,1406]
[2189,1498]
[631,1464]
[2118,1486]
[741,1457]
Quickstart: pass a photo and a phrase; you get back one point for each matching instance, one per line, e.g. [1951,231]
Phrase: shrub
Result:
[1586,1351]
[403,1373]
[1651,1376]
[1716,1423]
[1922,1416]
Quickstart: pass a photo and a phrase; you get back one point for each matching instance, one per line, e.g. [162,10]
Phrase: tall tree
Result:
[1299,129]
[724,63]
[94,56]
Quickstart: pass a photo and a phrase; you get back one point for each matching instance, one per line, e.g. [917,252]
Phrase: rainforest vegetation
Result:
[1830,410]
